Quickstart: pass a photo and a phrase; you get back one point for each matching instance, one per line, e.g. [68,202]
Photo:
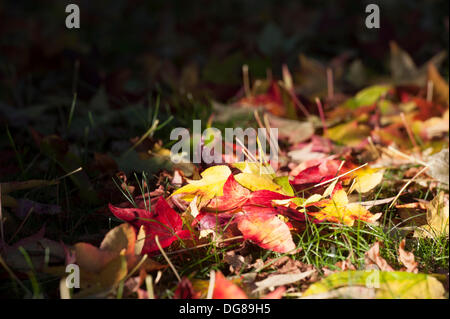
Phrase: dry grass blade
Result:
[406,185]
[167,259]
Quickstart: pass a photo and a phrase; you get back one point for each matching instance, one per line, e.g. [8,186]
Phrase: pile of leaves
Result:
[358,179]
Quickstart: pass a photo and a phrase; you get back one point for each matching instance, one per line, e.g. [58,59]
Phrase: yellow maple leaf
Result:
[339,210]
[257,176]
[210,186]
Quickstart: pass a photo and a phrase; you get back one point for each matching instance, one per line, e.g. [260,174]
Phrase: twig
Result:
[149,285]
[272,141]
[406,185]
[149,132]
[373,146]
[412,159]
[139,264]
[212,283]
[430,91]
[246,150]
[79,169]
[337,177]
[167,259]
[322,115]
[376,202]
[330,83]
[246,80]
[408,130]
[295,99]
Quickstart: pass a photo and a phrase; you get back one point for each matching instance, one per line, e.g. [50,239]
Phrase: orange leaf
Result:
[225,289]
[267,231]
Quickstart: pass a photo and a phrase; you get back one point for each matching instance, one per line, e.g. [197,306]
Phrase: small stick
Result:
[258,119]
[79,169]
[406,185]
[246,150]
[212,283]
[373,146]
[412,159]
[337,177]
[272,141]
[322,115]
[246,81]
[167,259]
[430,85]
[330,84]
[149,285]
[295,99]
[408,130]
[287,78]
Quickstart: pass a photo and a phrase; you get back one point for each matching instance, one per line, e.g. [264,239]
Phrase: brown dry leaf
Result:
[439,167]
[373,258]
[437,218]
[104,266]
[441,93]
[294,131]
[413,214]
[236,262]
[343,265]
[281,280]
[407,258]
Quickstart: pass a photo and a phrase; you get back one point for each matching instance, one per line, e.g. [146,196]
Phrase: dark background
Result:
[152,41]
[128,53]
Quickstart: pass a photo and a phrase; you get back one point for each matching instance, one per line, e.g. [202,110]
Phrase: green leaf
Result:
[367,96]
[388,285]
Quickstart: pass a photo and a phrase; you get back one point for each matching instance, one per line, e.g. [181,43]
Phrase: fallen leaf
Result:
[267,231]
[437,218]
[367,96]
[388,285]
[439,166]
[225,289]
[234,196]
[373,257]
[366,179]
[350,134]
[292,130]
[440,86]
[281,280]
[339,210]
[407,258]
[210,186]
[162,220]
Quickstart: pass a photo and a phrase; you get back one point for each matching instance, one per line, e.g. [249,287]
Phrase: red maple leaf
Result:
[162,220]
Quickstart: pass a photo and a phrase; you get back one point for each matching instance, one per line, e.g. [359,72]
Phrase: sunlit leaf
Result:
[162,220]
[388,285]
[211,184]
[366,179]
[267,231]
[339,210]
